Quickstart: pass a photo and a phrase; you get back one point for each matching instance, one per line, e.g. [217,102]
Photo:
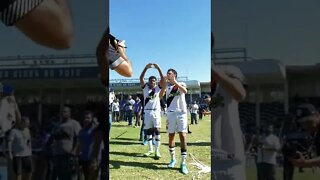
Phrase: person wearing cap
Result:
[227,81]
[308,117]
[268,148]
[207,100]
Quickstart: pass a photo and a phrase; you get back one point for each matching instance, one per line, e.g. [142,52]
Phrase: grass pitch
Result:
[126,153]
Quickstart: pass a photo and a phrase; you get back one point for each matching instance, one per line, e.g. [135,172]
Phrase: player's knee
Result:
[149,131]
[182,135]
[157,131]
[171,135]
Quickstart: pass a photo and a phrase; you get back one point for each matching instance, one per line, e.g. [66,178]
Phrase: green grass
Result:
[126,153]
[306,175]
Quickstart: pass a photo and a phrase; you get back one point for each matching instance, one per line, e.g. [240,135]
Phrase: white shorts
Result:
[229,170]
[152,119]
[177,122]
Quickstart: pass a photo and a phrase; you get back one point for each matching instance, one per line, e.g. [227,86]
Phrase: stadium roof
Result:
[268,71]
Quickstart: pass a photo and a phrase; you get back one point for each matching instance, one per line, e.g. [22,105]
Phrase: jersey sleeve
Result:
[11,11]
[183,84]
[235,73]
[113,55]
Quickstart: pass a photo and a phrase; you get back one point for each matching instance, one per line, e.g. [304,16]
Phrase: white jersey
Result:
[151,98]
[21,142]
[267,156]
[227,134]
[176,100]
[111,97]
[194,108]
[115,106]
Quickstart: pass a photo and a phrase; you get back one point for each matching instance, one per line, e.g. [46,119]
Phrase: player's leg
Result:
[157,126]
[150,145]
[183,129]
[192,118]
[157,142]
[171,129]
[17,167]
[195,118]
[148,126]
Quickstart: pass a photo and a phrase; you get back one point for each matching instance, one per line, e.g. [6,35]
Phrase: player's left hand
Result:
[156,66]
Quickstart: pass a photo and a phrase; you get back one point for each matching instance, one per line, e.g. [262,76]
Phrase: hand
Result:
[301,161]
[174,80]
[156,66]
[149,65]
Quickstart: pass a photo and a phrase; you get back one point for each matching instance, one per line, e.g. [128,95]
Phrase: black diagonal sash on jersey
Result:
[173,91]
[150,94]
[112,38]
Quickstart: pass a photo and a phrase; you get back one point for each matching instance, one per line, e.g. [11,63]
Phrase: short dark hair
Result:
[152,77]
[174,72]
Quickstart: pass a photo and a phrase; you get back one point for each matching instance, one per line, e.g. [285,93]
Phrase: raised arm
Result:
[125,68]
[181,88]
[142,83]
[162,80]
[49,24]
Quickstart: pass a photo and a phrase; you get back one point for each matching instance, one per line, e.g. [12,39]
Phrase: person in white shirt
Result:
[20,151]
[9,110]
[111,99]
[177,120]
[268,148]
[227,135]
[116,110]
[152,109]
[194,111]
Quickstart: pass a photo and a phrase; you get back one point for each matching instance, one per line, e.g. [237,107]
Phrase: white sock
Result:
[157,142]
[172,153]
[149,138]
[183,157]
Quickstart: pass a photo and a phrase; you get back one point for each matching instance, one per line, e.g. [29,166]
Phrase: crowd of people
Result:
[62,146]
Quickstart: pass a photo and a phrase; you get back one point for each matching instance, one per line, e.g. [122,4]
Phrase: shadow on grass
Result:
[128,154]
[191,144]
[124,142]
[155,166]
[127,139]
[120,125]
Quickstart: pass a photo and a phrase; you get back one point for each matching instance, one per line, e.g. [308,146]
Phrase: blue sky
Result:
[285,30]
[174,34]
[90,20]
